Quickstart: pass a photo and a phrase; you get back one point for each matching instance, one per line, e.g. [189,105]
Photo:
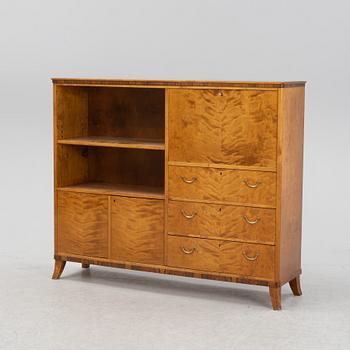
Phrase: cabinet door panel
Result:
[237,127]
[137,230]
[194,126]
[83,224]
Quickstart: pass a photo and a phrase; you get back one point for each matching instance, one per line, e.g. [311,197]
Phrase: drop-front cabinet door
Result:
[237,127]
[83,224]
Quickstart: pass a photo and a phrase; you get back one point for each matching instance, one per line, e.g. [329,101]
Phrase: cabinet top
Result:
[175,83]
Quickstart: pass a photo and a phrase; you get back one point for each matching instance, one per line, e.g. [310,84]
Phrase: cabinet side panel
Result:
[290,183]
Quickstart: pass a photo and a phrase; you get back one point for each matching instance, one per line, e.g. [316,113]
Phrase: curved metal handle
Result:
[187,251]
[250,258]
[220,93]
[250,185]
[188,216]
[251,222]
[190,181]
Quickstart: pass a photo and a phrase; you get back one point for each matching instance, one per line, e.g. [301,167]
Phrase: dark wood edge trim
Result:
[176,83]
[167,270]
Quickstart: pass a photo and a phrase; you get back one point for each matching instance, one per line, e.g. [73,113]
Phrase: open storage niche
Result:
[111,117]
[129,172]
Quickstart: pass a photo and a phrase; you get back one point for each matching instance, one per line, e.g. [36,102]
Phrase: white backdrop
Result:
[270,40]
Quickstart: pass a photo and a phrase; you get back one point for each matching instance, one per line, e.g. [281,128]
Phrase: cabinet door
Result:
[237,127]
[83,224]
[137,230]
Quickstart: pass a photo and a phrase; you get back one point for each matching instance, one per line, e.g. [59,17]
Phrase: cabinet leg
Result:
[275,296]
[295,286]
[59,267]
[85,265]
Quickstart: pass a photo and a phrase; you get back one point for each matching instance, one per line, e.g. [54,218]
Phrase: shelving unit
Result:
[110,141]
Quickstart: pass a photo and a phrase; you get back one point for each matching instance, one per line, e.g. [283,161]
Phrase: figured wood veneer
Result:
[222,185]
[203,123]
[137,230]
[227,222]
[199,179]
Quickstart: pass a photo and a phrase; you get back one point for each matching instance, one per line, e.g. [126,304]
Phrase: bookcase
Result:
[199,179]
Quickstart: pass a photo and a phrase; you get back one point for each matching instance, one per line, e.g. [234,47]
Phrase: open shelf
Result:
[117,189]
[117,142]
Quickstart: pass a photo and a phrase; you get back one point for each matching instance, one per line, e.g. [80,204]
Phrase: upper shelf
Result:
[116,142]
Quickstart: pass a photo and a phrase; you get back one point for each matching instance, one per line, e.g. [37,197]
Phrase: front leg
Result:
[275,295]
[59,267]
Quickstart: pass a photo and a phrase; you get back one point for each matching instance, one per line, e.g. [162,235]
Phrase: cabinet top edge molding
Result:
[175,83]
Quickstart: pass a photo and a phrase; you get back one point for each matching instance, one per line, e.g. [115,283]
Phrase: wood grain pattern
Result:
[123,112]
[222,222]
[227,127]
[205,253]
[82,224]
[137,230]
[220,256]
[289,182]
[116,142]
[175,83]
[247,259]
[71,109]
[222,185]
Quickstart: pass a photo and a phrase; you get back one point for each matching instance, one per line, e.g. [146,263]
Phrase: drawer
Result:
[235,186]
[223,126]
[241,259]
[222,221]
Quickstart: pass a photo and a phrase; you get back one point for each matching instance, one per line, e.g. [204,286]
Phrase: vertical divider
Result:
[109,227]
[166,176]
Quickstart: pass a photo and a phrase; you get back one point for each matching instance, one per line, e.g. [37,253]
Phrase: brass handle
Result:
[252,185]
[220,93]
[190,181]
[188,216]
[251,222]
[187,251]
[250,258]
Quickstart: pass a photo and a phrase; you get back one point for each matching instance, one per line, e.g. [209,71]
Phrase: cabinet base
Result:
[274,287]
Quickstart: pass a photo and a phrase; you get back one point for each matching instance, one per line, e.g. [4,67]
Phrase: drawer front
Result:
[137,230]
[222,221]
[223,126]
[247,260]
[193,253]
[237,186]
[241,259]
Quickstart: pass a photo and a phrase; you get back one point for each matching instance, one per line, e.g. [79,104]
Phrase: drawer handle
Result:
[250,258]
[189,181]
[250,185]
[220,93]
[251,222]
[188,216]
[187,251]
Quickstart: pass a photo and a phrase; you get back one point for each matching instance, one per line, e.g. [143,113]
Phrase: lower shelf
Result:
[116,189]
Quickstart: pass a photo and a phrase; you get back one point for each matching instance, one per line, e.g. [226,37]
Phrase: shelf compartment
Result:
[116,142]
[116,189]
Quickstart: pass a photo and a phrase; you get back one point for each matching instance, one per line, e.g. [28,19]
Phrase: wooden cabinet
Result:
[200,179]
